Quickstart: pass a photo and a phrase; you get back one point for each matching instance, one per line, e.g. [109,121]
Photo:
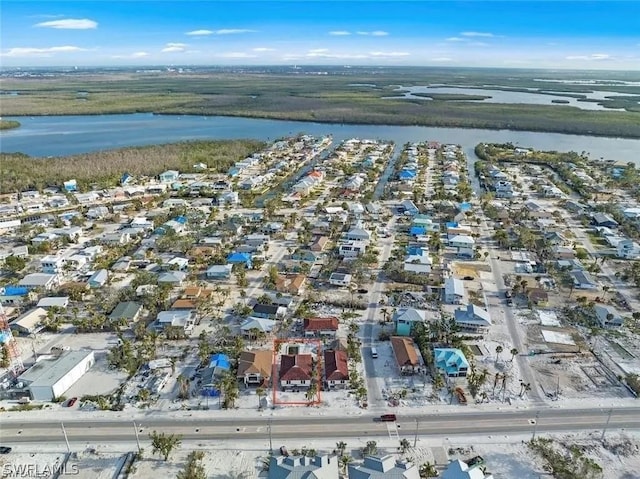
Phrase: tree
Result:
[428,470]
[499,350]
[514,352]
[341,447]
[404,446]
[193,469]
[183,383]
[164,443]
[260,393]
[371,449]
[15,264]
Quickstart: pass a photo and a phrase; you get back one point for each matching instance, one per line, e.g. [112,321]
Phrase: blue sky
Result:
[524,34]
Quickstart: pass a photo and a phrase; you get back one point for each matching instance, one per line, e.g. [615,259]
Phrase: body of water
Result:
[67,135]
[514,97]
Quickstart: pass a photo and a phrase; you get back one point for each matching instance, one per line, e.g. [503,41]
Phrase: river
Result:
[45,136]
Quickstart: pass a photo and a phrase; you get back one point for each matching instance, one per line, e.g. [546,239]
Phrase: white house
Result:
[461,241]
[628,249]
[352,249]
[453,291]
[40,280]
[51,264]
[418,264]
[473,318]
[340,279]
[219,271]
[184,318]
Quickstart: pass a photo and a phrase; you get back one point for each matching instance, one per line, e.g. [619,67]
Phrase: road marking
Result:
[392,429]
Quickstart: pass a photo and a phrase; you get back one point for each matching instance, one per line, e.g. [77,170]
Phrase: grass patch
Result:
[9,124]
[564,462]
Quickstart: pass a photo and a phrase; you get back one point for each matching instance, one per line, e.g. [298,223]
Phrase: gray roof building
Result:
[129,310]
[385,467]
[301,467]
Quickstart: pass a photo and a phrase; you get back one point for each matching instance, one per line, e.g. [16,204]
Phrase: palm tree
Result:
[341,447]
[428,470]
[183,383]
[260,392]
[499,350]
[344,462]
[404,446]
[514,352]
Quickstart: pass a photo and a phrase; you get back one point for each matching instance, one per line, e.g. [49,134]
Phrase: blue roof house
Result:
[451,362]
[70,186]
[416,251]
[233,171]
[240,258]
[218,366]
[407,175]
[417,230]
[125,179]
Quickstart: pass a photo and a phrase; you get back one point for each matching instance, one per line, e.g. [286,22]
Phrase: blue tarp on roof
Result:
[180,219]
[452,224]
[15,290]
[406,174]
[415,251]
[465,206]
[239,258]
[219,361]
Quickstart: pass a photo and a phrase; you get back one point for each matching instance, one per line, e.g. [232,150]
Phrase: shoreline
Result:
[435,124]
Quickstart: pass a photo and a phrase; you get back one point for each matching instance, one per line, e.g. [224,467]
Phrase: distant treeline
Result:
[19,172]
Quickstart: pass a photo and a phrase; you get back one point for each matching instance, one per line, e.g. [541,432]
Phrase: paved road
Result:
[475,423]
[374,395]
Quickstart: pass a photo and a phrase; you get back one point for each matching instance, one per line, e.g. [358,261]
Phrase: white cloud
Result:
[389,54]
[196,33]
[592,57]
[41,52]
[339,33]
[478,34]
[319,50]
[237,55]
[232,31]
[442,59]
[456,39]
[139,55]
[375,33]
[479,44]
[263,49]
[174,47]
[70,24]
[324,53]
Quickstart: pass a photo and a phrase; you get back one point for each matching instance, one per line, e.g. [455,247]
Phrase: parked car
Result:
[468,278]
[71,402]
[388,417]
[5,449]
[363,291]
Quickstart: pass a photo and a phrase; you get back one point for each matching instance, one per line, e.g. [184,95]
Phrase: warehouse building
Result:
[51,378]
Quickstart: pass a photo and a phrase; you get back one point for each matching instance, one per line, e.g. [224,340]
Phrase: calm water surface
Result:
[66,135]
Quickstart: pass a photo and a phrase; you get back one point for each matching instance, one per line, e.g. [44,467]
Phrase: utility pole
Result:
[604,430]
[66,439]
[415,438]
[270,442]
[535,425]
[135,429]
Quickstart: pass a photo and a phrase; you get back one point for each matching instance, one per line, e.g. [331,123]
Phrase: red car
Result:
[388,417]
[71,402]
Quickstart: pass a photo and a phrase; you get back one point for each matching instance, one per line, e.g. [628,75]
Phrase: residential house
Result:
[169,176]
[321,327]
[405,354]
[254,367]
[563,252]
[31,322]
[319,244]
[462,242]
[52,264]
[40,280]
[603,219]
[61,302]
[450,362]
[303,467]
[504,189]
[218,366]
[538,296]
[583,280]
[608,317]
[628,249]
[336,369]
[269,311]
[352,249]
[98,279]
[185,319]
[305,256]
[383,467]
[184,303]
[253,328]
[420,264]
[459,469]
[292,284]
[340,279]
[409,208]
[473,318]
[243,259]
[295,371]
[219,271]
[174,278]
[128,311]
[357,234]
[116,238]
[453,291]
[405,318]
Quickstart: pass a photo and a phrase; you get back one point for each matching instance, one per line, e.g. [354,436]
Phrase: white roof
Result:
[30,319]
[59,301]
[48,373]
[460,470]
[454,286]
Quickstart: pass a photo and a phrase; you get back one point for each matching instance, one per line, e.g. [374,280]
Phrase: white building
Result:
[51,378]
[453,291]
[340,279]
[628,249]
[418,264]
[52,264]
[352,249]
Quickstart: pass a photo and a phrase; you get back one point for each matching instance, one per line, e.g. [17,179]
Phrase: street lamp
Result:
[604,429]
[270,441]
[535,425]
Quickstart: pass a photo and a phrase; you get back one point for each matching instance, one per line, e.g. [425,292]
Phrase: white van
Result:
[374,353]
